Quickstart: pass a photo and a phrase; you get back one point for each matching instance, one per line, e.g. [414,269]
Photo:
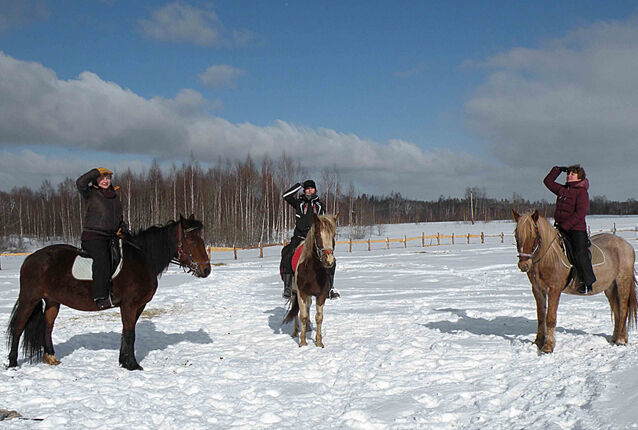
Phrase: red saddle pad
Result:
[295,257]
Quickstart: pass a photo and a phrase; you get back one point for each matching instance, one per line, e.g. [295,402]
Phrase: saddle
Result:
[83,265]
[596,256]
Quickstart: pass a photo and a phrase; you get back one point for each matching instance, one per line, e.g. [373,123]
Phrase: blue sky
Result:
[424,98]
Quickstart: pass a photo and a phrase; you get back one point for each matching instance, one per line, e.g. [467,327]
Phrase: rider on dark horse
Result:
[572,204]
[102,222]
[305,206]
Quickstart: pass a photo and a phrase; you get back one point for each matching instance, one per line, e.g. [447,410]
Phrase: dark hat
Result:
[309,183]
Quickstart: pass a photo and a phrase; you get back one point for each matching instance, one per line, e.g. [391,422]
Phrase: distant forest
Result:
[240,204]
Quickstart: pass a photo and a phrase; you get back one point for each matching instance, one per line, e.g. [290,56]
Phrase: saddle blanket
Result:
[295,257]
[82,267]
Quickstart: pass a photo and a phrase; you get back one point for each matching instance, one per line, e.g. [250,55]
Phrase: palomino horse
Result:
[45,276]
[312,277]
[539,255]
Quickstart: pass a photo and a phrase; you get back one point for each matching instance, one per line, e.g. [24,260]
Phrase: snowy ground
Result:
[423,338]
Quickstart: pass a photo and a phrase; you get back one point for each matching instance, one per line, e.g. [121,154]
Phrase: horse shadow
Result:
[509,328]
[147,339]
[276,319]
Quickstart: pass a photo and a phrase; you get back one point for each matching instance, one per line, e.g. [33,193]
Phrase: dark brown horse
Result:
[312,276]
[46,279]
[539,255]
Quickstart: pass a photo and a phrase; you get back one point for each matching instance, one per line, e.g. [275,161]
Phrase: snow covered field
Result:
[422,338]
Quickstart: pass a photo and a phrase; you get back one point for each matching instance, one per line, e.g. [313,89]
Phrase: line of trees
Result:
[240,204]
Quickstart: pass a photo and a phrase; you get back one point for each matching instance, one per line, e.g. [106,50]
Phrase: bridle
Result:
[522,256]
[321,251]
[192,266]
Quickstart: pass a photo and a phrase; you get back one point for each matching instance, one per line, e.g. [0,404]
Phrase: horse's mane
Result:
[157,244]
[525,230]
[327,223]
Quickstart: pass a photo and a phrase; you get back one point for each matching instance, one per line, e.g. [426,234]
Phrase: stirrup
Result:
[334,294]
[585,289]
[103,303]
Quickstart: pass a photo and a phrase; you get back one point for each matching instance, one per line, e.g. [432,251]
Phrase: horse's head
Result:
[528,238]
[191,252]
[324,238]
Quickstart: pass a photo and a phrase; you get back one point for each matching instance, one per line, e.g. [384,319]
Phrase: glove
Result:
[562,168]
[103,171]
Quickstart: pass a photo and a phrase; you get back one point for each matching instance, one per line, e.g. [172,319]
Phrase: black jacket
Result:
[304,208]
[104,210]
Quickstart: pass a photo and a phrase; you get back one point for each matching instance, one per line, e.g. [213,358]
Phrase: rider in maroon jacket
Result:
[572,204]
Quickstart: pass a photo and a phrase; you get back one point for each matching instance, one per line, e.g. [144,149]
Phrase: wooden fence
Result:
[433,240]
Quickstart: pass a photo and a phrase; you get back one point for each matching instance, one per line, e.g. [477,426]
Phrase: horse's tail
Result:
[33,340]
[294,310]
[632,306]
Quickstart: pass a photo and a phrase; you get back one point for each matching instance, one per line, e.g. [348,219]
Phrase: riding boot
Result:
[288,277]
[333,293]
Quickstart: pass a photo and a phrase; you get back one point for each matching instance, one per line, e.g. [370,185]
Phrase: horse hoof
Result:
[547,349]
[50,359]
[320,344]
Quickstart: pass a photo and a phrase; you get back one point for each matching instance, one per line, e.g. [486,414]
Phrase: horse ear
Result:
[516,215]
[192,216]
[337,216]
[535,215]
[315,218]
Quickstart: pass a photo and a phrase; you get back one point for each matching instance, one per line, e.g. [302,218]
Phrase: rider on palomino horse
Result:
[103,220]
[572,204]
[305,206]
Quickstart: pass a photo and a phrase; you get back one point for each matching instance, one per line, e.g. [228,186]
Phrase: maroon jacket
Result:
[572,202]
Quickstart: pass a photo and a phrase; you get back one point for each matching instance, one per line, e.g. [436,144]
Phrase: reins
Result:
[181,240]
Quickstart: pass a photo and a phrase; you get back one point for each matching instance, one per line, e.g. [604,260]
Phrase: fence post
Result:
[261,249]
[235,251]
[422,239]
[350,245]
[368,244]
[501,237]
[468,238]
[208,251]
[405,241]
[438,238]
[482,238]
[452,238]
[589,230]
[387,243]
[614,229]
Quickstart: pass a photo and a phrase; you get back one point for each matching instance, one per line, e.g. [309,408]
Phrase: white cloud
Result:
[183,23]
[574,99]
[221,75]
[90,114]
[178,22]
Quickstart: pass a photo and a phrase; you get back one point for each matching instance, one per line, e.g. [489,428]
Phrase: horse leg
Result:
[129,316]
[303,316]
[541,311]
[22,313]
[553,296]
[623,288]
[319,320]
[51,310]
[613,299]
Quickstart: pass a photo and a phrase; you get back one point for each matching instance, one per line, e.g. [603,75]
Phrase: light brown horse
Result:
[539,255]
[312,276]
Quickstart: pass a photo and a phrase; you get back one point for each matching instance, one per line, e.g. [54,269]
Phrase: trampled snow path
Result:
[430,338]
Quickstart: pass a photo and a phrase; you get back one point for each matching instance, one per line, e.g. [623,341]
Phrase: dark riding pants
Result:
[582,257]
[100,252]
